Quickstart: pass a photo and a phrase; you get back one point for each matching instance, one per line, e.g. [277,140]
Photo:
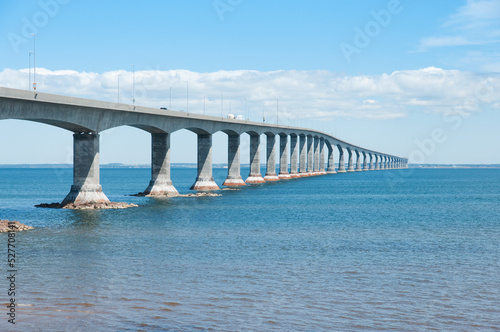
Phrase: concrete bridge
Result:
[87,118]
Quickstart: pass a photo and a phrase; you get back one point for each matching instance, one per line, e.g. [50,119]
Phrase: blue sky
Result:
[383,74]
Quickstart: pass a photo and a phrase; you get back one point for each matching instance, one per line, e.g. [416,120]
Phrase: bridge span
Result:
[86,118]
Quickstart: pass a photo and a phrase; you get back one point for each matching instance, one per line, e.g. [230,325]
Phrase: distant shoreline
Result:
[193,165]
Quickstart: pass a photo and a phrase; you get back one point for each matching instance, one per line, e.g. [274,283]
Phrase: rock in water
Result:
[4,226]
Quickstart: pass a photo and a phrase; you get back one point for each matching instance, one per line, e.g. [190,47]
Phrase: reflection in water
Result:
[85,218]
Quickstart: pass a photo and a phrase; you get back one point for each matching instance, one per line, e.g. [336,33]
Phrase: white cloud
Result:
[320,95]
[475,14]
[475,23]
[428,42]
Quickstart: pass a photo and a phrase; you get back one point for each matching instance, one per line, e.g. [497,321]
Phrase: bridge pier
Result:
[160,184]
[331,161]
[284,157]
[322,156]
[358,161]
[294,156]
[255,176]
[377,163]
[303,156]
[365,161]
[382,162]
[86,188]
[350,165]
[372,162]
[233,162]
[271,159]
[316,156]
[341,168]
[310,156]
[205,180]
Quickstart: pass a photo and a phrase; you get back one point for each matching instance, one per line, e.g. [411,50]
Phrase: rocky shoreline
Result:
[88,206]
[4,226]
[198,194]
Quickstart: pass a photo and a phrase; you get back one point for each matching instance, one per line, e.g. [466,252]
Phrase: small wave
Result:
[172,304]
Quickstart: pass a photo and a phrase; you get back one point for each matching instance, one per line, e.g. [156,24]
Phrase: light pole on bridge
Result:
[34,61]
[187,96]
[277,120]
[133,85]
[118,88]
[29,72]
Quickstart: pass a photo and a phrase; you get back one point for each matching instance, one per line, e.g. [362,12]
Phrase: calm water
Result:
[363,251]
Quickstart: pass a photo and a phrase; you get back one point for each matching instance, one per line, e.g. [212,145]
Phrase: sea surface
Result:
[407,250]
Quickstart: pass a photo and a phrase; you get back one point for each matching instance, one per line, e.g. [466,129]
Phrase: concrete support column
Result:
[372,162]
[350,164]
[271,159]
[205,180]
[331,161]
[160,184]
[255,176]
[303,156]
[316,156]
[284,157]
[233,162]
[341,168]
[377,163]
[310,155]
[358,161]
[294,156]
[365,161]
[382,162]
[86,188]
[322,156]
